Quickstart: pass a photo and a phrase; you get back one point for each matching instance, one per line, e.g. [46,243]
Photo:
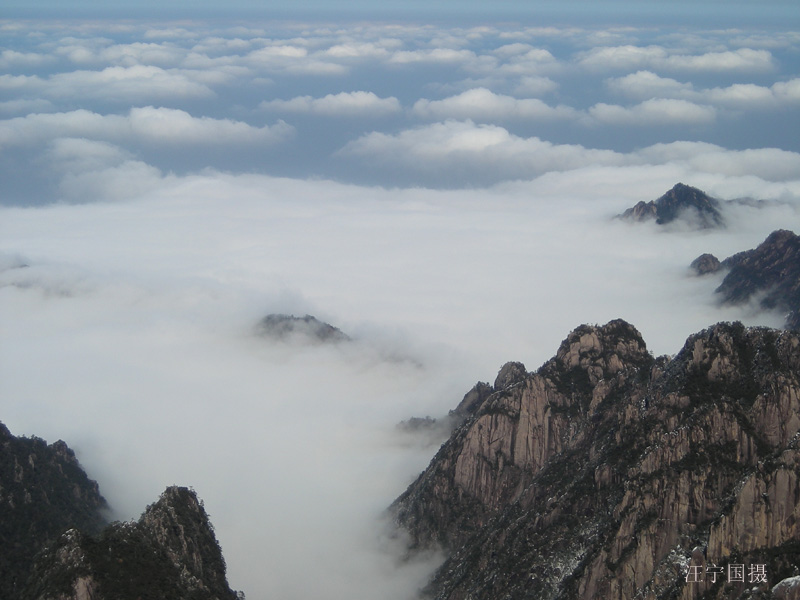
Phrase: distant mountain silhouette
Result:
[285,327]
[682,202]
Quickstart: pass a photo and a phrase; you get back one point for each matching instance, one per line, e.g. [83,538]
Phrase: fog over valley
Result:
[445,195]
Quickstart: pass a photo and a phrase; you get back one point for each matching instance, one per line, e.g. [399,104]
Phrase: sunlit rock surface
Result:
[609,473]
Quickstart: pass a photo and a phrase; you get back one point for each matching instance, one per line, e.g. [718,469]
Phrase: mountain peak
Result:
[307,328]
[682,202]
[171,552]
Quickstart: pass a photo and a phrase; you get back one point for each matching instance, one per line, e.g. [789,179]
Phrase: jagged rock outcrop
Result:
[43,492]
[307,328]
[705,264]
[681,202]
[170,553]
[769,274]
[611,474]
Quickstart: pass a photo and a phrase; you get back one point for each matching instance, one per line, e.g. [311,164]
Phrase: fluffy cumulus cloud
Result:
[351,104]
[770,164]
[631,57]
[292,59]
[135,83]
[15,60]
[151,125]
[646,84]
[470,153]
[656,112]
[481,104]
[447,56]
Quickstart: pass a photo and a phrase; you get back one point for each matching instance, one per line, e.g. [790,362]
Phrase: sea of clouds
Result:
[445,196]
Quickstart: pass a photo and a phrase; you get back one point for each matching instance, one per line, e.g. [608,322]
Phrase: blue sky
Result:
[719,12]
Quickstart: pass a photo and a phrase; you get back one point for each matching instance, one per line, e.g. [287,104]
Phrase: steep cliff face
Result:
[610,474]
[681,202]
[170,553]
[43,492]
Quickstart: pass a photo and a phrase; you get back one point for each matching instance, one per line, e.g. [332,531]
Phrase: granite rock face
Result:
[682,202]
[705,264]
[609,473]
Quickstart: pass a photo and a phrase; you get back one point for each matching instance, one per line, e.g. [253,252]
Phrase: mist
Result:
[132,333]
[143,237]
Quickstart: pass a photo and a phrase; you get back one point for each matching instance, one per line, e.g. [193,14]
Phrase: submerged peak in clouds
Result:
[305,329]
[682,202]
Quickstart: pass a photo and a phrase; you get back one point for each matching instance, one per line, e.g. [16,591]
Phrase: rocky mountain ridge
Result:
[171,553]
[769,273]
[609,473]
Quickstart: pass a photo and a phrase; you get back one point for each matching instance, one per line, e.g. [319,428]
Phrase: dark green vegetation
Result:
[57,543]
[171,553]
[43,492]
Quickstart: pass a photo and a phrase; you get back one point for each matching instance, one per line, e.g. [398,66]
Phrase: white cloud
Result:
[787,90]
[481,104]
[653,112]
[353,104]
[25,106]
[472,152]
[292,59]
[128,84]
[646,84]
[533,62]
[12,59]
[464,154]
[744,59]
[434,55]
[631,57]
[769,164]
[150,125]
[351,50]
[533,85]
[622,57]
